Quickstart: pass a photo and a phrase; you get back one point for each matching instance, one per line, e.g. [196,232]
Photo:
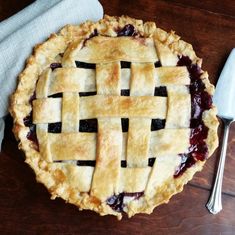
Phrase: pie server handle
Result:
[214,204]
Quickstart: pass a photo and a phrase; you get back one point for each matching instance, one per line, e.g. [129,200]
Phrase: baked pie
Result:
[114,116]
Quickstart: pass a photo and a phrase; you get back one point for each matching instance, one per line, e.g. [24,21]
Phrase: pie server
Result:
[224,99]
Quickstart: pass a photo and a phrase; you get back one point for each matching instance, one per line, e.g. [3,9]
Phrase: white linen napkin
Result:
[21,32]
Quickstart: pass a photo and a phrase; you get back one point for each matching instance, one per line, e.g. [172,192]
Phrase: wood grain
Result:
[10,7]
[225,7]
[25,205]
[205,178]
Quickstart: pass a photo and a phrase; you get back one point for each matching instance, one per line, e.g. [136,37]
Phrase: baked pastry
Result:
[114,116]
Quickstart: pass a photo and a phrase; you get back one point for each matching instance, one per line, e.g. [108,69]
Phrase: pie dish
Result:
[114,116]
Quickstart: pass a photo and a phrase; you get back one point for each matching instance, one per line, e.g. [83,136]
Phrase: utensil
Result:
[224,99]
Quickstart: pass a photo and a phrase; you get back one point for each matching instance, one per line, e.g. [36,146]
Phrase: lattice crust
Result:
[56,165]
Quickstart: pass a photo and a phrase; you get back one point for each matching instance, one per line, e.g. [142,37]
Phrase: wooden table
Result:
[25,206]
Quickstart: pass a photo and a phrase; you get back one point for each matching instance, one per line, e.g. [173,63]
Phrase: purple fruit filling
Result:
[116,202]
[88,125]
[57,95]
[125,64]
[86,163]
[32,136]
[84,65]
[127,30]
[93,34]
[28,120]
[55,65]
[201,101]
[125,124]
[90,93]
[157,124]
[125,92]
[157,64]
[54,127]
[160,91]
[151,161]
[123,163]
[32,98]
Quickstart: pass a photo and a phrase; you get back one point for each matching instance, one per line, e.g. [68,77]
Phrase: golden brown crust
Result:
[60,178]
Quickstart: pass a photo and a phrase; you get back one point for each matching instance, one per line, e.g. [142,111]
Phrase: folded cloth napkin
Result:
[21,32]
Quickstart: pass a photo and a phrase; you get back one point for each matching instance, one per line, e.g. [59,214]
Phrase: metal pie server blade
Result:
[224,99]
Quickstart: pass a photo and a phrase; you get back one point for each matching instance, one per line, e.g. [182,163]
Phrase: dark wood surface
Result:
[25,206]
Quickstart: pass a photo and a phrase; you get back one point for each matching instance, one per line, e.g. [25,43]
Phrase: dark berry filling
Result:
[57,95]
[54,127]
[157,64]
[125,124]
[87,93]
[86,163]
[127,30]
[123,164]
[186,162]
[125,65]
[151,161]
[94,34]
[85,65]
[32,98]
[201,100]
[116,202]
[28,120]
[32,136]
[160,91]
[198,148]
[55,66]
[88,125]
[157,124]
[125,92]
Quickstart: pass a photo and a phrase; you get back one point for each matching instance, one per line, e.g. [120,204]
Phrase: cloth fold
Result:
[34,24]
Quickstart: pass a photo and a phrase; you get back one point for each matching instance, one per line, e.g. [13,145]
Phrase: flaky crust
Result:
[52,175]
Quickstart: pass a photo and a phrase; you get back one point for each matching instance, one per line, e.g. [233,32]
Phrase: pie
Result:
[114,116]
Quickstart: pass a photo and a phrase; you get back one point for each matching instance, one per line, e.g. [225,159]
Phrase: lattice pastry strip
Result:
[108,78]
[79,177]
[70,119]
[41,129]
[133,179]
[109,139]
[138,138]
[44,144]
[108,157]
[141,84]
[122,106]
[84,80]
[109,49]
[166,56]
[160,141]
[43,84]
[172,76]
[72,80]
[163,169]
[73,146]
[85,143]
[179,107]
[49,110]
